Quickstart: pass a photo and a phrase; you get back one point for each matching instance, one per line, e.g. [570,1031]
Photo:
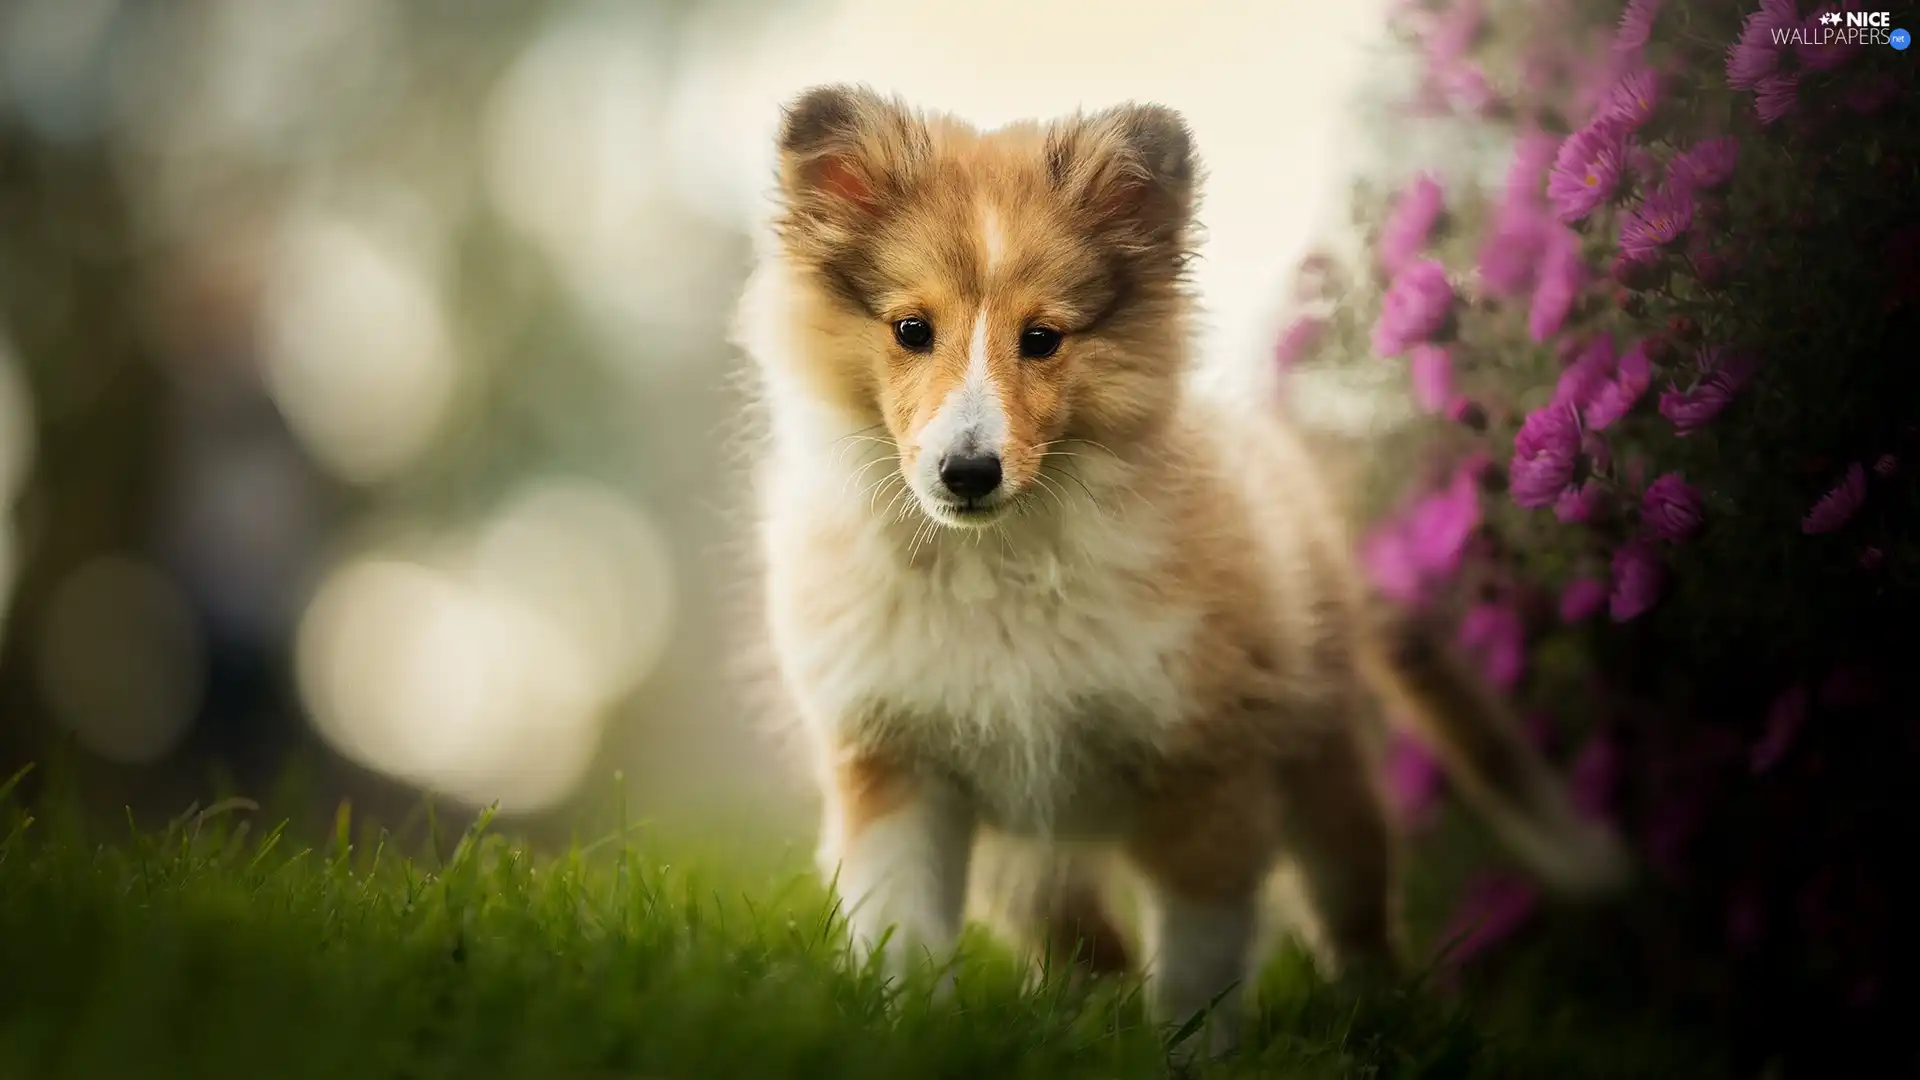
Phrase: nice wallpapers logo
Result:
[1845,28]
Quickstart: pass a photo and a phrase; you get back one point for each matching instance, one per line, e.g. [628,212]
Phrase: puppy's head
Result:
[993,298]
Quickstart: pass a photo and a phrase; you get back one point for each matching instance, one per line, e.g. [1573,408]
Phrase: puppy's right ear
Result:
[845,153]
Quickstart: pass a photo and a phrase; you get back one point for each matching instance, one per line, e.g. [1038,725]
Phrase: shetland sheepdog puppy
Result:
[1049,618]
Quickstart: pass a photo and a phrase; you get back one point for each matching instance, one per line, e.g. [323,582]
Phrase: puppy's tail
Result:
[1440,699]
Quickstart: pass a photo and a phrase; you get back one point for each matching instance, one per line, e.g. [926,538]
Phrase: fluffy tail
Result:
[1434,693]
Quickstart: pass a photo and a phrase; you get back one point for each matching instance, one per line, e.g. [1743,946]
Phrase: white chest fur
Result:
[1031,667]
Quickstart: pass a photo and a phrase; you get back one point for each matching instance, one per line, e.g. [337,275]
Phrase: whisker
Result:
[854,477]
[873,489]
[844,442]
[1052,489]
[928,527]
[1115,454]
[1091,497]
[901,514]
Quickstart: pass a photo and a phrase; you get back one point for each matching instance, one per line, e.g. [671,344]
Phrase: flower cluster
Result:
[1669,450]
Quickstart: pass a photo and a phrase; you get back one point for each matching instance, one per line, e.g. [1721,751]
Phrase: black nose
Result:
[971,476]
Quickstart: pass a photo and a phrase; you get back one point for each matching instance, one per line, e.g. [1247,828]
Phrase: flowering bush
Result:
[1662,489]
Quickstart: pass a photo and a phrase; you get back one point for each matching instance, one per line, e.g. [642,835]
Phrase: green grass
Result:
[211,949]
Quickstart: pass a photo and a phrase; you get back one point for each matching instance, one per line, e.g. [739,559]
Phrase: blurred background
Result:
[366,412]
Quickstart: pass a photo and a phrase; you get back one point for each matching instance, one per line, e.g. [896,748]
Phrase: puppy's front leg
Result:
[1204,843]
[899,842]
[1199,950]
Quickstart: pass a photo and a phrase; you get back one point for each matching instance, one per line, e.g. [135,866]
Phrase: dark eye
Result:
[913,333]
[1038,342]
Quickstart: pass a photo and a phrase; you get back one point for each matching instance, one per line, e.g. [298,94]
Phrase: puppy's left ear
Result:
[1130,171]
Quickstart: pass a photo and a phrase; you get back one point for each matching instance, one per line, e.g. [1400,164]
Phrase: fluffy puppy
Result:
[1035,600]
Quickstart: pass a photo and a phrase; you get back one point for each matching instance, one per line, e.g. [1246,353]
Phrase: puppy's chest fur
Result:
[1041,679]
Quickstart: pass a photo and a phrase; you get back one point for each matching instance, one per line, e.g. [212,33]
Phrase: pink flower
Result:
[1300,339]
[1545,451]
[1615,398]
[1784,719]
[1579,505]
[1636,25]
[1589,371]
[1429,541]
[1632,100]
[1723,375]
[1587,169]
[1410,223]
[1464,88]
[1814,52]
[1690,410]
[1705,165]
[1594,78]
[1837,507]
[1430,368]
[1886,466]
[1386,555]
[1561,277]
[1511,251]
[1638,579]
[1413,780]
[1602,387]
[1415,307]
[1582,599]
[1670,509]
[1755,55]
[1451,36]
[1440,525]
[1496,636]
[1775,97]
[1533,154]
[1662,218]
[1494,907]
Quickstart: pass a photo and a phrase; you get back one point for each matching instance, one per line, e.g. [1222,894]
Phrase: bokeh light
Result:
[582,557]
[578,161]
[486,669]
[358,351]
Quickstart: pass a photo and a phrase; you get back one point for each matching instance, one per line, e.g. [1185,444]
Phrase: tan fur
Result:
[1153,649]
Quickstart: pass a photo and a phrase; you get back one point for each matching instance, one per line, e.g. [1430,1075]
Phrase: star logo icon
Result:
[1830,18]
